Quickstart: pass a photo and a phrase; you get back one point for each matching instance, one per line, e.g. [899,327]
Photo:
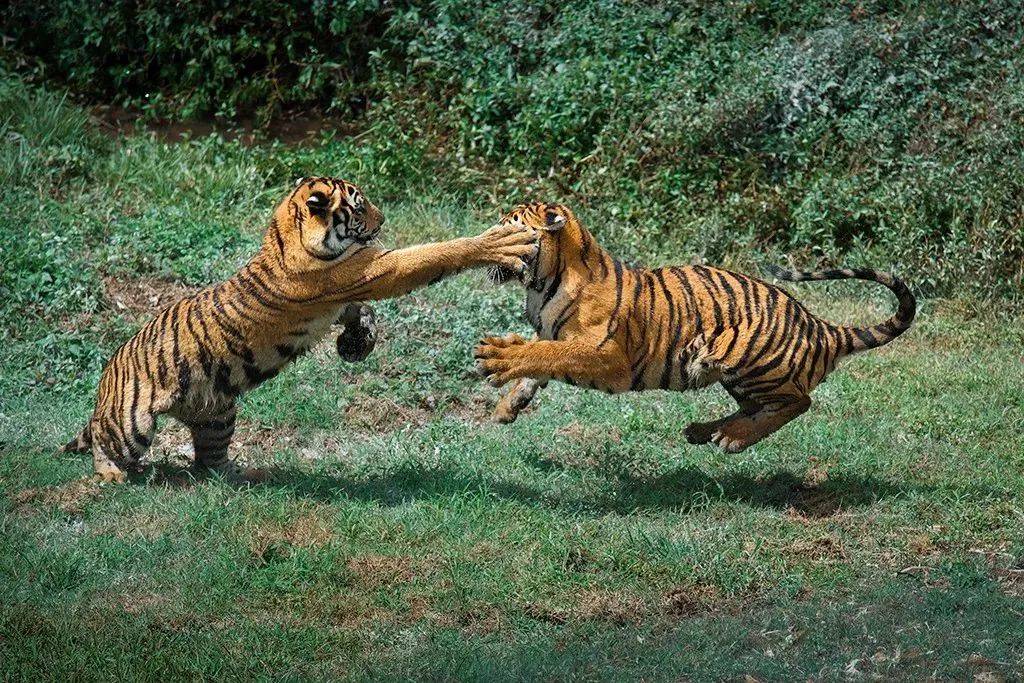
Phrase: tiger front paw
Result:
[109,473]
[497,358]
[509,246]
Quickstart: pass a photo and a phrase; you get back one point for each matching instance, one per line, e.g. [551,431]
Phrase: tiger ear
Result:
[299,181]
[554,220]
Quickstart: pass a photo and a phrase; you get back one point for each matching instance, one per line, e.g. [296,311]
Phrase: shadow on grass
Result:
[782,490]
[683,489]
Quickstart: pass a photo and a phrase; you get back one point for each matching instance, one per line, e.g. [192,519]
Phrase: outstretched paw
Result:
[496,358]
[510,246]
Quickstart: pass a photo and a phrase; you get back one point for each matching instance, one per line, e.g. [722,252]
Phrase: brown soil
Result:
[143,296]
[70,498]
[688,601]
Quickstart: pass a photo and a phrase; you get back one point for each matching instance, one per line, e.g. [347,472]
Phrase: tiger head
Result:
[550,221]
[327,216]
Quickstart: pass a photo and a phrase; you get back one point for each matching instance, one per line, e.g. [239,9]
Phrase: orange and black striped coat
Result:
[606,326]
[197,356]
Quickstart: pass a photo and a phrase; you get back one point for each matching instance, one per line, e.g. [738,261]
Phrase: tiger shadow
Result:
[783,490]
[680,490]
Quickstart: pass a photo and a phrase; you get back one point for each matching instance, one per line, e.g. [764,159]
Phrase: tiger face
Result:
[548,220]
[332,215]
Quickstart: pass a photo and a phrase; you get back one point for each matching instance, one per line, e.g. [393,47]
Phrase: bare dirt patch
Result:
[144,296]
[480,620]
[817,550]
[276,539]
[612,607]
[682,602]
[378,571]
[1011,581]
[383,414]
[70,498]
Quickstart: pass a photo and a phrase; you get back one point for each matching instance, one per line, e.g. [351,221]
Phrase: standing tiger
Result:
[603,325]
[197,356]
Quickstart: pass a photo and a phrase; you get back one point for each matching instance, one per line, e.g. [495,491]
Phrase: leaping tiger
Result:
[197,356]
[606,326]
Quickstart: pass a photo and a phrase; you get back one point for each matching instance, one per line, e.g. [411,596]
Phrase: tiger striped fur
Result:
[197,356]
[606,326]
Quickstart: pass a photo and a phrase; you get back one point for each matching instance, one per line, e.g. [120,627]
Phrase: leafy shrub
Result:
[189,58]
[876,131]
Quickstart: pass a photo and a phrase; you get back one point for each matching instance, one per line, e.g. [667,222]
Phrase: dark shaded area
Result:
[206,57]
[682,489]
[781,490]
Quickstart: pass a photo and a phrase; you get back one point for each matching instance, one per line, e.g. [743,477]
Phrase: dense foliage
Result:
[879,132]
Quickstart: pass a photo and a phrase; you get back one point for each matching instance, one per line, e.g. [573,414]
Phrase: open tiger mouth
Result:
[499,275]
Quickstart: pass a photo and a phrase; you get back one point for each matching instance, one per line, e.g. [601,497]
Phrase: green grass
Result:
[403,535]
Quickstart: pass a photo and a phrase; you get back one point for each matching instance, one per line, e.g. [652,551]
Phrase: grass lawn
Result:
[401,534]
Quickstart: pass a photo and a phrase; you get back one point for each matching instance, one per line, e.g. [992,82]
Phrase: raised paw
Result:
[510,246]
[501,342]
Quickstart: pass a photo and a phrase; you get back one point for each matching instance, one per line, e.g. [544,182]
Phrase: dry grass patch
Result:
[380,414]
[682,602]
[378,571]
[612,607]
[143,296]
[70,498]
[310,529]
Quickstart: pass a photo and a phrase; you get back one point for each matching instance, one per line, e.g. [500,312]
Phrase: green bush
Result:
[880,131]
[190,58]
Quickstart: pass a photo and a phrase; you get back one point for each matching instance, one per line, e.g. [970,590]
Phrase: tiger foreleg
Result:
[116,447]
[504,359]
[211,437]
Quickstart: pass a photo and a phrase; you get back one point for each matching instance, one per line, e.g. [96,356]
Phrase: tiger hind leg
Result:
[211,437]
[82,443]
[703,362]
[698,433]
[740,432]
[516,399]
[210,440]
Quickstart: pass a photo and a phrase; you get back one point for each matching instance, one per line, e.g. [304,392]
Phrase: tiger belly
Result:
[210,385]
